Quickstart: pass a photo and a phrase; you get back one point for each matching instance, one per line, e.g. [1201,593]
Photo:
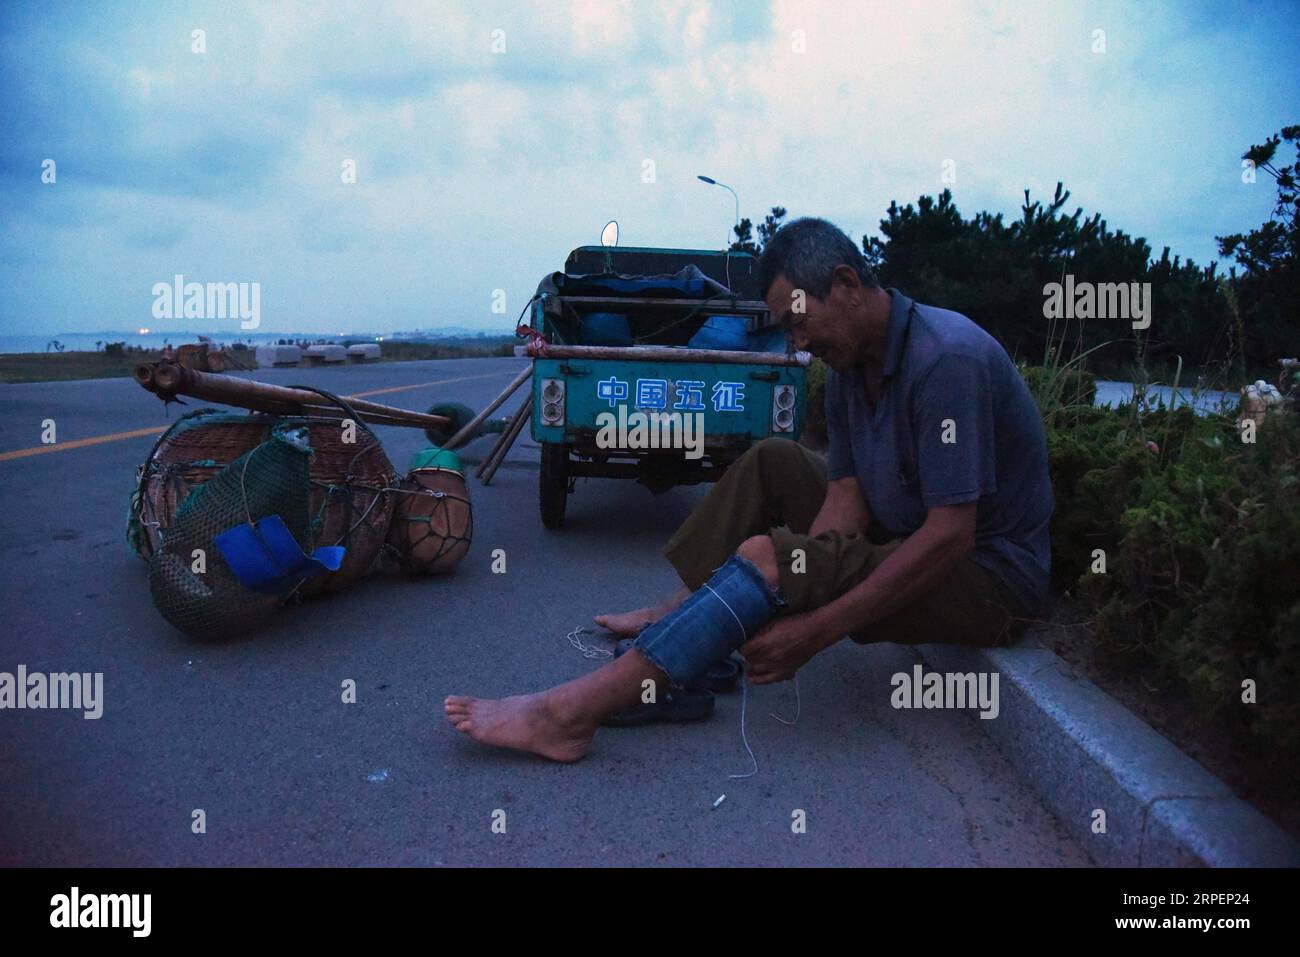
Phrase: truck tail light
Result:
[552,401]
[783,398]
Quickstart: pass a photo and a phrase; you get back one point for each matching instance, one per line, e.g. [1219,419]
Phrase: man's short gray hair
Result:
[807,252]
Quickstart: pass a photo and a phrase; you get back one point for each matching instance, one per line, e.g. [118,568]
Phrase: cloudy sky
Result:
[490,138]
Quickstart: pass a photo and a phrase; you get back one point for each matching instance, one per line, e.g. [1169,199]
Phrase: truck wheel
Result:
[553,483]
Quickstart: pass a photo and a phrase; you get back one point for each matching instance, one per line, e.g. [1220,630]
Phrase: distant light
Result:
[381,338]
[144,332]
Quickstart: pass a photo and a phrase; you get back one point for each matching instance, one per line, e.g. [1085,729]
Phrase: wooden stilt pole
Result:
[501,441]
[490,466]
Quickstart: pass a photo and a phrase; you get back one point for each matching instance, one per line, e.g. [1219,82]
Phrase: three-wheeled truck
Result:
[660,365]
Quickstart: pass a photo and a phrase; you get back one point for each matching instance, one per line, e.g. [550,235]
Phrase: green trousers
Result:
[776,489]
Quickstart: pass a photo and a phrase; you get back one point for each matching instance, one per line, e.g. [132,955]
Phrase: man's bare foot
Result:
[631,622]
[523,722]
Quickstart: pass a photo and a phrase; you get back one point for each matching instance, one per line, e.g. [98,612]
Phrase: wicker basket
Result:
[351,483]
[351,500]
[186,456]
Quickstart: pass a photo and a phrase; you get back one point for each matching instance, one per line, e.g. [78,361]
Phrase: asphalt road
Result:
[254,732]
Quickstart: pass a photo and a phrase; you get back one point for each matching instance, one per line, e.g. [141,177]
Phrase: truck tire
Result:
[553,483]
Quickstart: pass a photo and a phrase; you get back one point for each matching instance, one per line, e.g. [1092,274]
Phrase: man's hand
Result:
[782,648]
[914,569]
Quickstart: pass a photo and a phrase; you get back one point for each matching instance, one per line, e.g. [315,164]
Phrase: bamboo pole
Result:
[509,438]
[330,412]
[169,380]
[503,437]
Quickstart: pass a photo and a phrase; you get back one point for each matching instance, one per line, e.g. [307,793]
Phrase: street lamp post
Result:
[727,249]
[713,182]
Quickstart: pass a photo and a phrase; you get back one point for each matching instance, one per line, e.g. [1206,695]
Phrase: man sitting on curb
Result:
[928,522]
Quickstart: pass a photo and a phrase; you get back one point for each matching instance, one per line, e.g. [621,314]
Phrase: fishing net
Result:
[190,582]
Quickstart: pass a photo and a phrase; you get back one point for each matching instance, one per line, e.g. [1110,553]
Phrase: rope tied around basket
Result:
[349,487]
[433,524]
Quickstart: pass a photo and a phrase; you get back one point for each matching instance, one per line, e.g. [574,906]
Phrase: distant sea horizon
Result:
[93,341]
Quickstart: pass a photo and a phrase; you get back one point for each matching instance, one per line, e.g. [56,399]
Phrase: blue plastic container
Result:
[605,329]
[721,332]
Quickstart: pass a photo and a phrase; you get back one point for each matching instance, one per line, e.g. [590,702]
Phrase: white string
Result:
[744,737]
[744,693]
[587,650]
[599,653]
[744,634]
[744,697]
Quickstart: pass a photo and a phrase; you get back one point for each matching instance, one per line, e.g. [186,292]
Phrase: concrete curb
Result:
[1082,751]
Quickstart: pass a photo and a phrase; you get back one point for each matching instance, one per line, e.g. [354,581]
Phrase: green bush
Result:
[1202,548]
[1060,387]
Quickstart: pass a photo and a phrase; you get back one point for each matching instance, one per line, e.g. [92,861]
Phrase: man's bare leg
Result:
[631,622]
[560,722]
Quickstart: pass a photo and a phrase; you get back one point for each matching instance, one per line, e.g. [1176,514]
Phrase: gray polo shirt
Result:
[955,423]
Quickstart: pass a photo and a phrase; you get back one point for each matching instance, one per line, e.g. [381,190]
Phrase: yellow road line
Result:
[155,430]
[81,443]
[421,385]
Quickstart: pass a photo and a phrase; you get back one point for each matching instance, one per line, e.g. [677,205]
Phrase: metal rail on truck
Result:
[672,354]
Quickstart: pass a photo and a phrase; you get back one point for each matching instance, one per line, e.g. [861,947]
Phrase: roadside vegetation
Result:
[468,348]
[117,361]
[60,366]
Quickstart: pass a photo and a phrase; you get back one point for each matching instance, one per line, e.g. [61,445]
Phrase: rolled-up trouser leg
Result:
[724,613]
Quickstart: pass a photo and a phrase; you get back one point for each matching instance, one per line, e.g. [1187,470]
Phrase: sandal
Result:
[674,707]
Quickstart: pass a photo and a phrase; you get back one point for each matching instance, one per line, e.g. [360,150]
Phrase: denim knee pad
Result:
[723,614]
